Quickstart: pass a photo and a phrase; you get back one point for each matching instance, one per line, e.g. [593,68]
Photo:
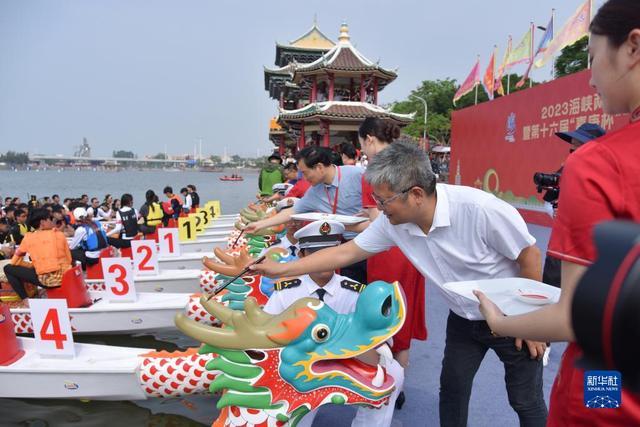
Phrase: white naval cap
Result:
[320,234]
[286,203]
[281,187]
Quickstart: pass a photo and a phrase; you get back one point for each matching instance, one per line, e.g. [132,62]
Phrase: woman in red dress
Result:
[600,182]
[375,135]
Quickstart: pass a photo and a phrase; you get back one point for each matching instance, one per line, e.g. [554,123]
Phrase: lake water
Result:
[232,195]
[191,411]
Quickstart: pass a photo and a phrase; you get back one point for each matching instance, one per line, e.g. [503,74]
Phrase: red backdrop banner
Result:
[498,145]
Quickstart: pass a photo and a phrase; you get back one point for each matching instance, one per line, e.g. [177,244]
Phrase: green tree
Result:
[15,158]
[122,154]
[573,58]
[216,159]
[439,96]
[159,156]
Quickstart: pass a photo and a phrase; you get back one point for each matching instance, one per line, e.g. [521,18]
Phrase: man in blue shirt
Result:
[335,190]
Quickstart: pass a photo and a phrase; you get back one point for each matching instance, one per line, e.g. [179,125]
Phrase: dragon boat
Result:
[270,369]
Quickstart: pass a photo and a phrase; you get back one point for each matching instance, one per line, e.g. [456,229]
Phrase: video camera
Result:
[549,182]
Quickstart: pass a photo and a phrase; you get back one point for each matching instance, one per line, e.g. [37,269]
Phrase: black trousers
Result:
[78,254]
[467,343]
[119,243]
[357,271]
[17,274]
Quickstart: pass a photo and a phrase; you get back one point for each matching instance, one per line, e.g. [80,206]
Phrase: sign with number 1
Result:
[186,229]
[168,242]
[145,257]
[118,279]
[51,327]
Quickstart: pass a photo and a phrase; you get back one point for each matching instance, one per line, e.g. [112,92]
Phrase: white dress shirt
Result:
[474,236]
[341,300]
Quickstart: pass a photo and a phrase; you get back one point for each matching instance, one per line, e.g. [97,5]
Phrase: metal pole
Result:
[426,109]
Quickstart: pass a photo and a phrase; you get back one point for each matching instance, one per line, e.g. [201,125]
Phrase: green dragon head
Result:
[289,364]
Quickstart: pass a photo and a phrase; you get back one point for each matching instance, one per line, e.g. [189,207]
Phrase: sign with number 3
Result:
[118,279]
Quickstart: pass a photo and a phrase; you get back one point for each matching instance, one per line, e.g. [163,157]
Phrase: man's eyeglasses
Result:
[382,202]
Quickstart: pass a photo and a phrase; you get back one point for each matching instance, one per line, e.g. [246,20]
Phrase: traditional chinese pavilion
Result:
[325,90]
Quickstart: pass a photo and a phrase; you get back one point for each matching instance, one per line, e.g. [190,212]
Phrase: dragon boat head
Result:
[304,357]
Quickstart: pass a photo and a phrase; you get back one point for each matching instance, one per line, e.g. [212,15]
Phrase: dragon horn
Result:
[219,311]
[255,314]
[223,338]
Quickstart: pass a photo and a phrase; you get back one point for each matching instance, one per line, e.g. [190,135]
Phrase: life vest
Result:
[195,200]
[169,206]
[130,223]
[94,241]
[154,217]
[24,229]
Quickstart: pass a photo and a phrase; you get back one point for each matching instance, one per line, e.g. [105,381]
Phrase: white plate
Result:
[505,293]
[318,216]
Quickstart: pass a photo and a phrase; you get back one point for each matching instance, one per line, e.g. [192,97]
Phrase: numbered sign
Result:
[205,215]
[186,229]
[211,209]
[118,279]
[198,223]
[51,327]
[169,242]
[216,207]
[145,257]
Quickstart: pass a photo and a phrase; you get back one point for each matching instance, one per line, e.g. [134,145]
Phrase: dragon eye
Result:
[320,333]
[386,307]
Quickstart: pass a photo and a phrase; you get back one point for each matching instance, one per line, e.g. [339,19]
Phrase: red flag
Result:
[470,82]
[489,80]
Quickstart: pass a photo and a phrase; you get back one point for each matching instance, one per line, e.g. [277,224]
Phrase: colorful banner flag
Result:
[542,47]
[470,82]
[522,52]
[502,69]
[489,80]
[574,29]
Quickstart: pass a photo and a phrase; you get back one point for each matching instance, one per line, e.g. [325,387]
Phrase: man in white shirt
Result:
[341,294]
[449,233]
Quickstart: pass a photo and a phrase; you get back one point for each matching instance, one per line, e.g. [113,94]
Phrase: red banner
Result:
[498,145]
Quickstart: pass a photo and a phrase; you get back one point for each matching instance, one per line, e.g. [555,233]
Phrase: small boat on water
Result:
[186,261]
[231,178]
[205,244]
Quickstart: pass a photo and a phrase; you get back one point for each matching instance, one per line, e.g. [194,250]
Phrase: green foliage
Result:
[159,156]
[216,159]
[439,96]
[573,58]
[14,158]
[122,154]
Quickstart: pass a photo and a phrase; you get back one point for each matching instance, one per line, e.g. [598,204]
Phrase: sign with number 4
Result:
[118,279]
[51,327]
[145,257]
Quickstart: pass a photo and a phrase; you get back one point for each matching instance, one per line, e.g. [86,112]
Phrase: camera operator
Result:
[551,183]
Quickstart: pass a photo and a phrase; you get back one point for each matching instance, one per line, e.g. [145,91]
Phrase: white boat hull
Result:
[175,281]
[151,312]
[203,244]
[186,261]
[100,372]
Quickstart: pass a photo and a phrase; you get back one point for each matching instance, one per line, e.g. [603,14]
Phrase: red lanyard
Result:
[334,206]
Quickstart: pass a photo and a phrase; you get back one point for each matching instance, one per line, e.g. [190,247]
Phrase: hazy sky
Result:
[139,75]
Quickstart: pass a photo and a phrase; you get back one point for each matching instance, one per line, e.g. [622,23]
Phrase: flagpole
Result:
[477,83]
[553,59]
[532,53]
[590,17]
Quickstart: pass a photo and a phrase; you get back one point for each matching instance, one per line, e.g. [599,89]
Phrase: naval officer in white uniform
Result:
[341,294]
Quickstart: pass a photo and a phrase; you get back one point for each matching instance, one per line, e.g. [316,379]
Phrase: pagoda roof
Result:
[305,48]
[343,57]
[344,110]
